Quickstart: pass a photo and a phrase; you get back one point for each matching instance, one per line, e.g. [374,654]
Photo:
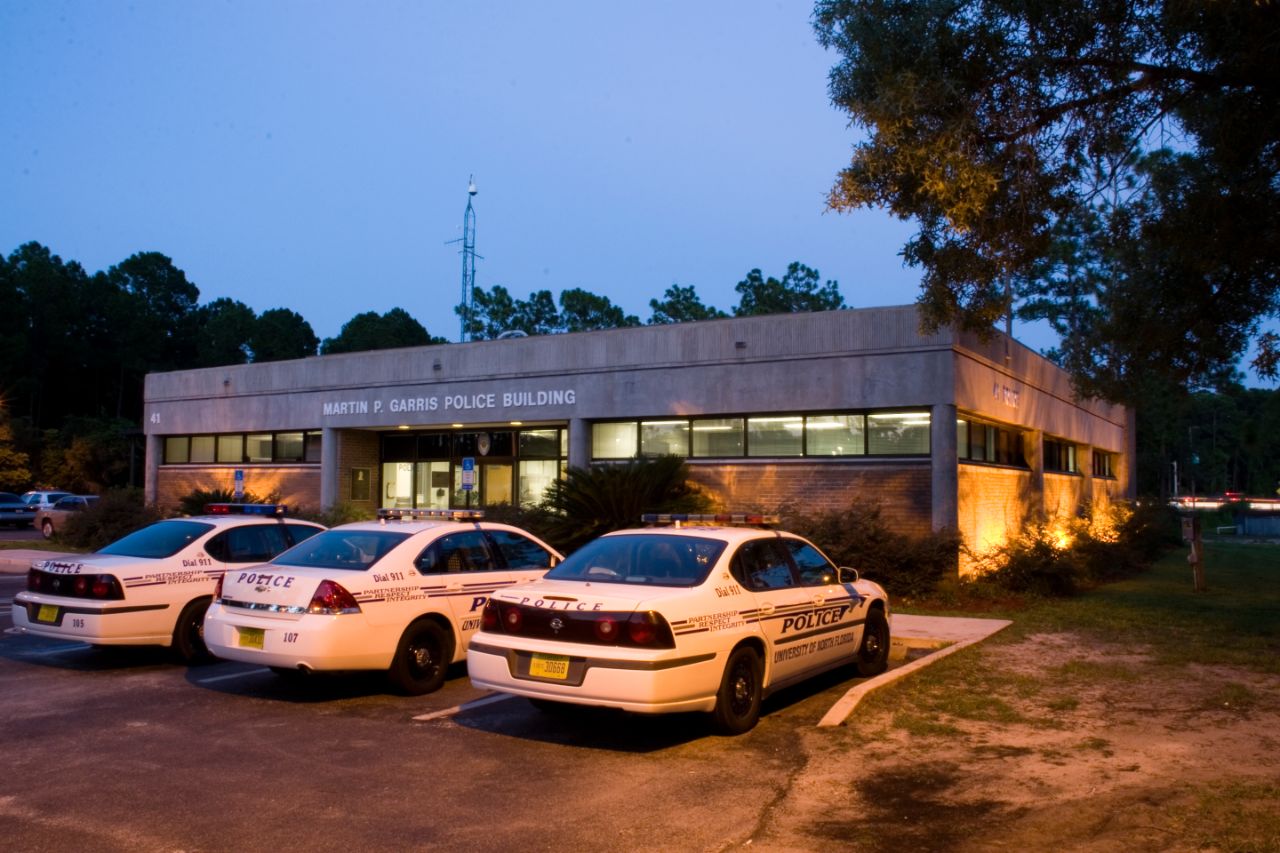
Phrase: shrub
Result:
[193,503]
[1061,556]
[116,513]
[340,513]
[859,537]
[590,502]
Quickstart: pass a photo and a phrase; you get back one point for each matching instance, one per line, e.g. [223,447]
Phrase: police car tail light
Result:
[512,620]
[75,586]
[606,628]
[649,629]
[332,599]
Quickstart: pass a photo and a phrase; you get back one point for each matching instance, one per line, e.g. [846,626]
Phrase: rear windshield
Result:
[642,558]
[353,550]
[162,539]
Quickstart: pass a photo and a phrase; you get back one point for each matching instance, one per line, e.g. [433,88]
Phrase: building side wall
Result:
[994,503]
[902,490]
[1064,495]
[298,486]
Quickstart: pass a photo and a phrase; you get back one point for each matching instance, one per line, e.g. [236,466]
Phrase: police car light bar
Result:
[392,513]
[707,518]
[276,510]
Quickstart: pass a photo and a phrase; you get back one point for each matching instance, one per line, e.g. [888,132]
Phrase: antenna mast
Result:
[468,260]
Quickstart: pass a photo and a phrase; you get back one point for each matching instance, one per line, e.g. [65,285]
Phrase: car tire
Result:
[738,701]
[873,652]
[188,634]
[422,659]
[46,528]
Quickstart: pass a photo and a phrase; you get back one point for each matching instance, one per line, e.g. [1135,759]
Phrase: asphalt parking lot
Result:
[124,750]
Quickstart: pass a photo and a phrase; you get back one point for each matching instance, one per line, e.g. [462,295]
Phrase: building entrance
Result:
[428,469]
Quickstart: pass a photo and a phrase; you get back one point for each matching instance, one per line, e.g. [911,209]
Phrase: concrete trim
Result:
[948,632]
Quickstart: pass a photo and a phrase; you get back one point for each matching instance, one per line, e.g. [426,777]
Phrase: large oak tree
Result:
[1112,165]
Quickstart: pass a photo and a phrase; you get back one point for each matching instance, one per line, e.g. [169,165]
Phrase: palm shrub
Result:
[194,502]
[589,502]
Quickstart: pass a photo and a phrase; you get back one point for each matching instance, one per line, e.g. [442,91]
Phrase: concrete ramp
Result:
[937,636]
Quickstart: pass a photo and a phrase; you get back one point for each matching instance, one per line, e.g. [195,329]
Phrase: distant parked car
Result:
[14,511]
[43,498]
[49,521]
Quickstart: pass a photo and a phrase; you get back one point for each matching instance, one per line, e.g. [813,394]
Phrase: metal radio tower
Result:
[468,260]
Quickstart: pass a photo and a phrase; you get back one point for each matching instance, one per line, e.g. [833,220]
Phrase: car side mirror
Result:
[848,575]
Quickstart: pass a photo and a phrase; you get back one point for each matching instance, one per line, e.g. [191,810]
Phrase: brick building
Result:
[943,430]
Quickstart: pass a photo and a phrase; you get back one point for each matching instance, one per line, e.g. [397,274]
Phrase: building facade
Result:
[943,430]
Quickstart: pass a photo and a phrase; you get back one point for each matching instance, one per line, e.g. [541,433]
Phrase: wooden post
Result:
[1191,535]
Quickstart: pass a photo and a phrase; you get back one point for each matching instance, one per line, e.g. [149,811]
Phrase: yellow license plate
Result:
[47,613]
[549,666]
[251,638]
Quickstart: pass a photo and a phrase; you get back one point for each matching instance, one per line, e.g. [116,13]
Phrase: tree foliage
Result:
[681,305]
[584,311]
[370,331]
[1112,163]
[800,289]
[281,333]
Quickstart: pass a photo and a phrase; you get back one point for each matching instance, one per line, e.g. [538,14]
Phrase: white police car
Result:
[401,594]
[152,587]
[704,618]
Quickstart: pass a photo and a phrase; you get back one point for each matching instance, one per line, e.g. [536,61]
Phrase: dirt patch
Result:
[1105,750]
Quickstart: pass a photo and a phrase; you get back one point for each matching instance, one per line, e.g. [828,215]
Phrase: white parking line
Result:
[466,706]
[78,647]
[257,671]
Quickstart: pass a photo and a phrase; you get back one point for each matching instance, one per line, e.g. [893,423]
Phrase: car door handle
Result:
[818,600]
[453,587]
[766,608]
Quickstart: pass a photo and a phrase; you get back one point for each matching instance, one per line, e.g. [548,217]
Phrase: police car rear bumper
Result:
[292,641]
[658,686]
[102,623]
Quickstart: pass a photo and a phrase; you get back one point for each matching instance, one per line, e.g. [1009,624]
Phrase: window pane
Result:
[312,452]
[288,447]
[761,565]
[662,438]
[202,448]
[613,441]
[435,445]
[775,436]
[814,568]
[717,437]
[231,448]
[519,551]
[540,443]
[962,439]
[898,434]
[175,449]
[258,447]
[834,435]
[536,475]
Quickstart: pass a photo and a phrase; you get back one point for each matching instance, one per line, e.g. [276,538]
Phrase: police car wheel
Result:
[422,659]
[188,634]
[738,700]
[873,654]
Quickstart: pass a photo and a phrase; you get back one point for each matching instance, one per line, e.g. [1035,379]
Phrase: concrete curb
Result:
[947,634]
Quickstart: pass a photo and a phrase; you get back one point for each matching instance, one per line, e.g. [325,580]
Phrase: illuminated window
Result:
[717,437]
[664,438]
[775,436]
[177,449]
[614,440]
[835,435]
[203,448]
[1060,457]
[898,433]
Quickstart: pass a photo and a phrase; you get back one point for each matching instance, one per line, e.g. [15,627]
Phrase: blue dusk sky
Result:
[316,155]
